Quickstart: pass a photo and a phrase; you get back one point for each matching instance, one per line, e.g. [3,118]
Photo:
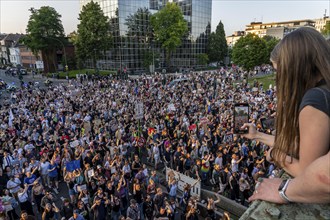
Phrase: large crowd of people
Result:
[102,144]
[85,134]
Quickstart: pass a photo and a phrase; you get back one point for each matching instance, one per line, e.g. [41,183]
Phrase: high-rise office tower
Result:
[132,39]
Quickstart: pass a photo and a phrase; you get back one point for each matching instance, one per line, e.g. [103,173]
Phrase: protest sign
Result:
[171,107]
[183,180]
[74,144]
[81,188]
[72,165]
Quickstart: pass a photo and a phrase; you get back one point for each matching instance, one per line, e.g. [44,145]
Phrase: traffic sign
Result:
[139,110]
[39,64]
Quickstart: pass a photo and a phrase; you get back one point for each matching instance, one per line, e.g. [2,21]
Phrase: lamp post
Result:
[95,66]
[153,59]
[120,67]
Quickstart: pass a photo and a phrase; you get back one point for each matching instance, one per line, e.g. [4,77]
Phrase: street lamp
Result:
[153,59]
[120,67]
[95,66]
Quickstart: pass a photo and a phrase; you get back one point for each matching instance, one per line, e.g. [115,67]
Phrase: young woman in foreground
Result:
[302,60]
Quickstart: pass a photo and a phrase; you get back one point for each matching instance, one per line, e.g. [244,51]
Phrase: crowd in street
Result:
[83,140]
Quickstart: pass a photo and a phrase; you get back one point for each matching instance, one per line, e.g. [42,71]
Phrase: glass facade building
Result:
[132,34]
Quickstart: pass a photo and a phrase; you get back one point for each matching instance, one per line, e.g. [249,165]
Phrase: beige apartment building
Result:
[320,23]
[276,29]
[231,40]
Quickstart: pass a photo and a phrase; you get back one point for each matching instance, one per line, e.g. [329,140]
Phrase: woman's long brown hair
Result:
[302,58]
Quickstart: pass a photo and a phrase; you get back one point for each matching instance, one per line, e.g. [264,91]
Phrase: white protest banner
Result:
[183,180]
[171,107]
[74,144]
[139,110]
[81,188]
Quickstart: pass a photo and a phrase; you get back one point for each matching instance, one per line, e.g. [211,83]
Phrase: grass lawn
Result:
[265,80]
[72,73]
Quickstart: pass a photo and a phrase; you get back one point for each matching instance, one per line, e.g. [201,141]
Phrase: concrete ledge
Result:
[226,204]
[295,211]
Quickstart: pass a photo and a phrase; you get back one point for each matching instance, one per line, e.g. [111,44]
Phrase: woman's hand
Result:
[252,131]
[268,191]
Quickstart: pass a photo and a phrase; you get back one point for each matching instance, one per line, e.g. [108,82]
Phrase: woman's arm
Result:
[314,140]
[258,136]
[312,186]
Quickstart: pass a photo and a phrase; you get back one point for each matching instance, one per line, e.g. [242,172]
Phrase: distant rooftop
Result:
[281,22]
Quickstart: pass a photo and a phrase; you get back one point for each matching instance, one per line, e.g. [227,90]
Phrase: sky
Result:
[234,14]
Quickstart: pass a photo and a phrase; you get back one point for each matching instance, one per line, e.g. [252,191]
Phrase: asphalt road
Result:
[26,78]
[29,78]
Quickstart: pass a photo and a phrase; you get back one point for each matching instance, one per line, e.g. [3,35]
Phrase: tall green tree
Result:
[93,34]
[202,59]
[72,37]
[169,28]
[217,45]
[139,26]
[45,33]
[250,51]
[326,29]
[270,44]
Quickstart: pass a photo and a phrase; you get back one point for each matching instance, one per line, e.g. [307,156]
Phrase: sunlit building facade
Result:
[277,29]
[132,38]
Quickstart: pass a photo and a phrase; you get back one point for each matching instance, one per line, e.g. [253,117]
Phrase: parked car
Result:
[23,71]
[11,88]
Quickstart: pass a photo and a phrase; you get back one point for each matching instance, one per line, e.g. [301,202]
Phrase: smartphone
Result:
[241,116]
[268,123]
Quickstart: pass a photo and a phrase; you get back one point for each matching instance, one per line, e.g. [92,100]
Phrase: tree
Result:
[271,42]
[217,45]
[169,28]
[45,33]
[250,51]
[203,59]
[139,27]
[326,29]
[93,35]
[72,37]
[150,57]
[139,30]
